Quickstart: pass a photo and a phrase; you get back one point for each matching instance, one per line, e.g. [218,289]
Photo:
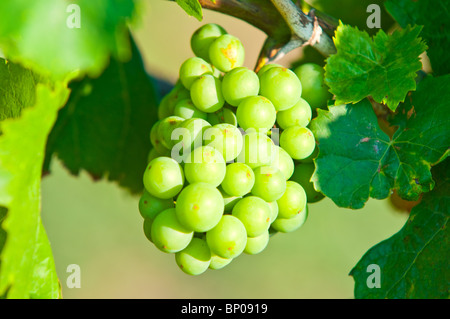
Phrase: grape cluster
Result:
[218,183]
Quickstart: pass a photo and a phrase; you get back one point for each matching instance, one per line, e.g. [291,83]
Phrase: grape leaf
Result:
[414,262]
[62,37]
[357,159]
[105,126]
[383,67]
[27,268]
[192,8]
[434,16]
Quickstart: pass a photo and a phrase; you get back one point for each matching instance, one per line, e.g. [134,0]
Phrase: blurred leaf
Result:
[384,68]
[105,126]
[414,262]
[357,159]
[434,16]
[192,8]
[27,268]
[40,34]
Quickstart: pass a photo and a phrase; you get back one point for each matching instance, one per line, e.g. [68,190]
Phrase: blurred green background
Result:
[97,226]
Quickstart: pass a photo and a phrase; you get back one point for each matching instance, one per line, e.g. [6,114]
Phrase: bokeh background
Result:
[97,225]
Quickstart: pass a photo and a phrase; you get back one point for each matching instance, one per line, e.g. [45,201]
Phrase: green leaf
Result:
[414,262]
[357,159]
[383,67]
[434,16]
[27,268]
[192,7]
[105,126]
[44,35]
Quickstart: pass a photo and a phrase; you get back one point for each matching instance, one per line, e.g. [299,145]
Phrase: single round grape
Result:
[287,225]
[293,201]
[238,84]
[150,206]
[199,206]
[267,67]
[192,69]
[224,115]
[155,139]
[239,179]
[168,234]
[195,258]
[163,177]
[302,175]
[227,53]
[228,238]
[205,164]
[165,129]
[203,37]
[298,142]
[218,262]
[270,183]
[298,115]
[273,211]
[254,213]
[225,138]
[168,102]
[206,94]
[314,89]
[187,110]
[256,112]
[188,136]
[281,86]
[284,162]
[257,150]
[257,244]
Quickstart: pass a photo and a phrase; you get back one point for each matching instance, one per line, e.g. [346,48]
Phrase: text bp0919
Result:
[227,308]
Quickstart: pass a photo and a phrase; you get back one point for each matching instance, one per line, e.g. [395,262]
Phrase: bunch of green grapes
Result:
[218,183]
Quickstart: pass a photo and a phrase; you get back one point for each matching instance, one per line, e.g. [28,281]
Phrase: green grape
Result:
[155,139]
[203,37]
[315,91]
[298,142]
[224,115]
[267,67]
[168,234]
[298,115]
[273,211]
[225,138]
[192,69]
[281,86]
[165,129]
[257,244]
[187,110]
[227,53]
[168,102]
[228,238]
[205,164]
[239,179]
[218,262]
[238,84]
[163,177]
[256,112]
[311,157]
[270,183]
[195,258]
[257,150]
[287,225]
[293,201]
[254,213]
[187,137]
[147,227]
[206,94]
[199,206]
[229,200]
[283,162]
[302,175]
[150,206]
